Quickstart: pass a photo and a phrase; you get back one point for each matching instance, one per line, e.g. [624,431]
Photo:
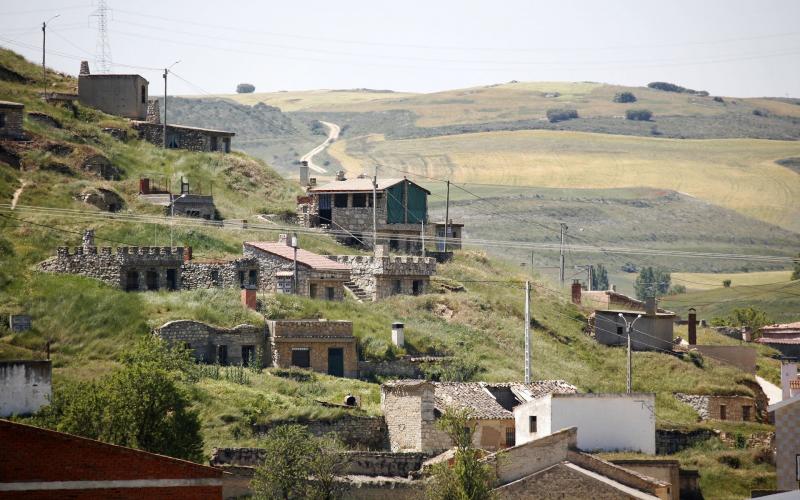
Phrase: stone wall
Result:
[629,478]
[671,441]
[192,139]
[11,123]
[354,431]
[378,276]
[310,328]
[204,340]
[271,264]
[399,368]
[219,274]
[25,386]
[113,267]
[711,407]
[362,463]
[667,471]
[194,205]
[318,351]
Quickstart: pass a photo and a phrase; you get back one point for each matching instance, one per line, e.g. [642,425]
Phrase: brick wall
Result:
[711,407]
[13,123]
[281,348]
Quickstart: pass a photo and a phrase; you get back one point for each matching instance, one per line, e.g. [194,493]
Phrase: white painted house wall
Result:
[24,387]
[606,422]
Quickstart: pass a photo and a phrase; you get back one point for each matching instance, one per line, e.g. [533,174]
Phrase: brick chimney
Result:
[576,292]
[692,326]
[84,68]
[187,254]
[650,306]
[249,297]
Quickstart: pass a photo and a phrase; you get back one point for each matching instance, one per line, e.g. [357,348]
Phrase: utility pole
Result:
[527,332]
[166,71]
[293,241]
[44,43]
[375,211]
[590,271]
[423,238]
[561,258]
[447,215]
[628,328]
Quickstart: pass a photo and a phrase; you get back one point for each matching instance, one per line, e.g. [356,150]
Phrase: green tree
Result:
[468,478]
[726,283]
[600,277]
[298,465]
[796,271]
[652,282]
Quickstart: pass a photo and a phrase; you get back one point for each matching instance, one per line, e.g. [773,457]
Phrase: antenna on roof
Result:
[103,48]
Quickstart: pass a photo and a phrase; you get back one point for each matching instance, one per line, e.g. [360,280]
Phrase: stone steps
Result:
[359,293]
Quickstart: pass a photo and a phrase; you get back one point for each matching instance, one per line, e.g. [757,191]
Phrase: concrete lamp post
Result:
[628,328]
[171,222]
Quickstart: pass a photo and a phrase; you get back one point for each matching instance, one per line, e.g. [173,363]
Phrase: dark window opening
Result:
[619,331]
[301,357]
[285,284]
[723,412]
[394,244]
[312,290]
[2,119]
[511,437]
[532,426]
[252,277]
[144,94]
[336,361]
[397,287]
[215,277]
[172,279]
[214,145]
[187,346]
[226,142]
[350,400]
[151,279]
[248,354]
[241,279]
[330,293]
[416,287]
[173,143]
[359,200]
[340,200]
[132,281]
[222,355]
[746,413]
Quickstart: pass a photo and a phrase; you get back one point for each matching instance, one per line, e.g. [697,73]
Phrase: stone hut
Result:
[129,268]
[411,408]
[346,205]
[121,95]
[320,345]
[202,140]
[382,276]
[240,345]
[11,120]
[317,276]
[235,273]
[733,408]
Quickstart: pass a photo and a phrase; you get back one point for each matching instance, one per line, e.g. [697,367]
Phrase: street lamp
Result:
[172,220]
[628,328]
[293,244]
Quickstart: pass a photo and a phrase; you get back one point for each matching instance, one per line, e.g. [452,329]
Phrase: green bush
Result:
[726,283]
[624,97]
[560,115]
[643,115]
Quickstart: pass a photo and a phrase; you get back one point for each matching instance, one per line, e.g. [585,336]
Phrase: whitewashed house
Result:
[606,422]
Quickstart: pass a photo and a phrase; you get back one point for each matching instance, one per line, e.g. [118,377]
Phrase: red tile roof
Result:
[788,339]
[782,328]
[310,259]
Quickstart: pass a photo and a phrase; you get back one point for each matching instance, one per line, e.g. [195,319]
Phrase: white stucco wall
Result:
[605,422]
[24,387]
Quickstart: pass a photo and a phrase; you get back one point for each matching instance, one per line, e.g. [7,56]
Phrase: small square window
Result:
[532,426]
[359,200]
[511,437]
[340,200]
[723,412]
[2,119]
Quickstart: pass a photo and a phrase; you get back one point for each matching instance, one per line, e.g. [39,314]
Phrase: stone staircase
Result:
[357,292]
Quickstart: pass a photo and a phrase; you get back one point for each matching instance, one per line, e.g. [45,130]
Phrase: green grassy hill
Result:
[89,324]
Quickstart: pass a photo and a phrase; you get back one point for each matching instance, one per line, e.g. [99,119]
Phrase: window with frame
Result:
[746,413]
[532,424]
[397,287]
[511,437]
[330,293]
[252,276]
[723,412]
[340,200]
[359,200]
[284,284]
[301,357]
[312,290]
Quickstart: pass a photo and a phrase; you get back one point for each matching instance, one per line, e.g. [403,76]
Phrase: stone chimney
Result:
[249,297]
[187,254]
[788,373]
[612,287]
[153,111]
[304,173]
[692,326]
[340,176]
[576,292]
[381,250]
[398,338]
[84,68]
[650,306]
[88,239]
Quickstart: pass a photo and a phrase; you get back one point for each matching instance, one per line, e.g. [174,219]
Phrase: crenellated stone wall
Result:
[205,340]
[220,274]
[384,276]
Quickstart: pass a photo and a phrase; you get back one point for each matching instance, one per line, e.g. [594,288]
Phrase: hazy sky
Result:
[733,47]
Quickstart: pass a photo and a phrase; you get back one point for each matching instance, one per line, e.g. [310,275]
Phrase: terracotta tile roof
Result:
[480,397]
[310,259]
[359,184]
[782,328]
[787,339]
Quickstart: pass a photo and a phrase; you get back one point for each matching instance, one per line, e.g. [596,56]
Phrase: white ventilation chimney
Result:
[397,334]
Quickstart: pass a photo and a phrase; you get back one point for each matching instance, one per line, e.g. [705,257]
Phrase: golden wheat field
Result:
[740,174]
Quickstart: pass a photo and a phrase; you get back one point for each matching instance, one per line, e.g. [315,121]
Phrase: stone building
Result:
[235,273]
[652,332]
[320,345]
[129,268]
[204,140]
[11,120]
[411,408]
[785,338]
[317,276]
[607,422]
[240,345]
[733,408]
[380,276]
[346,205]
[121,95]
[787,442]
[455,231]
[25,386]
[187,204]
